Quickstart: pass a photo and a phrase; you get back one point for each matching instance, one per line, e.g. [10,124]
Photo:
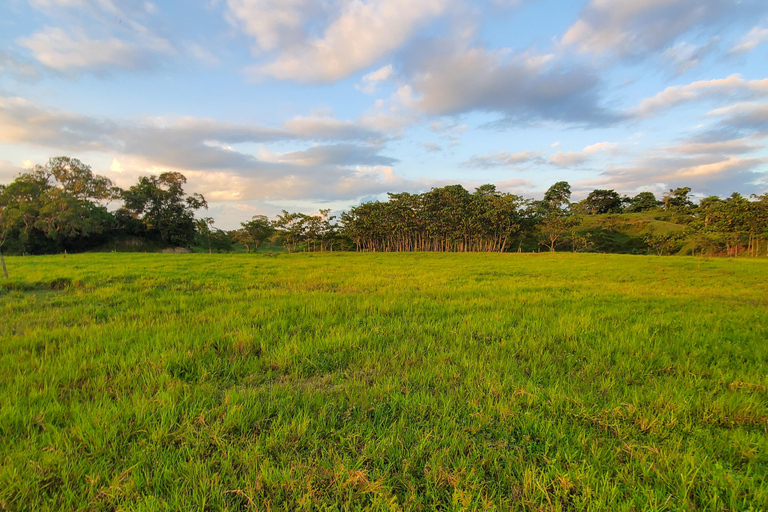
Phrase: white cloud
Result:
[576,158]
[20,69]
[730,87]
[750,117]
[632,27]
[206,151]
[362,34]
[750,40]
[685,56]
[723,147]
[272,23]
[522,86]
[203,55]
[106,5]
[56,49]
[96,35]
[505,159]
[374,78]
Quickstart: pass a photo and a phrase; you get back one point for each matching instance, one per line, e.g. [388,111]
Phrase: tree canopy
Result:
[64,205]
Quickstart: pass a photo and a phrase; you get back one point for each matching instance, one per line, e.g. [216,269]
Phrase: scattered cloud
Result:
[751,40]
[725,88]
[272,24]
[707,174]
[56,49]
[206,151]
[96,36]
[359,35]
[338,154]
[371,81]
[577,158]
[628,28]
[14,67]
[450,131]
[697,146]
[749,117]
[202,54]
[685,56]
[519,86]
[505,159]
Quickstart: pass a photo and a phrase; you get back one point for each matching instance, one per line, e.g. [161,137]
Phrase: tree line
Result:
[63,206]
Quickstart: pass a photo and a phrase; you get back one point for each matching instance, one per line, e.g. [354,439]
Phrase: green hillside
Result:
[626,233]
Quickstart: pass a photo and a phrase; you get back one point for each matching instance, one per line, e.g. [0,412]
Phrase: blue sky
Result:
[304,104]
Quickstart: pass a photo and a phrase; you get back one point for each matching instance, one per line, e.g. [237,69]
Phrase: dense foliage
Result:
[64,206]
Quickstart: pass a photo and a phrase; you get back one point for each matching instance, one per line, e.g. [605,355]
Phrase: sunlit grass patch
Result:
[381,381]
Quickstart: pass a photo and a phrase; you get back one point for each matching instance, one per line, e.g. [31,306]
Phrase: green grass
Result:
[383,381]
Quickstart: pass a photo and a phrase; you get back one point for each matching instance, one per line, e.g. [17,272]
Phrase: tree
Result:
[291,228]
[164,209]
[7,223]
[677,199]
[642,202]
[664,243]
[53,205]
[204,229]
[76,179]
[254,232]
[555,229]
[602,201]
[558,195]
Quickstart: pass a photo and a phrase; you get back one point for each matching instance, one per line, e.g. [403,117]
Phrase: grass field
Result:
[384,382]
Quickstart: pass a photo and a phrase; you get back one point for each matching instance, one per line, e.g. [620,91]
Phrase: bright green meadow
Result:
[143,382]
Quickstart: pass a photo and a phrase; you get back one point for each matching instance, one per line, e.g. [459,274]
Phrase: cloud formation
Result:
[96,36]
[707,174]
[631,28]
[59,50]
[521,87]
[206,150]
[577,158]
[750,40]
[685,56]
[730,88]
[505,159]
[358,35]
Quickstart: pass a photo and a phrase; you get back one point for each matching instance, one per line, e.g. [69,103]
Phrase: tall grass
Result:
[383,382]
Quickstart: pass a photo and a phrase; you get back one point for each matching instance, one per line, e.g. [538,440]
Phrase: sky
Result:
[267,105]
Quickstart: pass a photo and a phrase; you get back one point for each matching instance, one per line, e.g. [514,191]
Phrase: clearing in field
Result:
[383,381]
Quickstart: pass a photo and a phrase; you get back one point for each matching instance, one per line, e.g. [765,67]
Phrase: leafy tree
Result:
[642,202]
[664,243]
[204,226]
[558,195]
[677,199]
[602,201]
[61,202]
[7,223]
[291,228]
[163,208]
[254,232]
[76,179]
[556,228]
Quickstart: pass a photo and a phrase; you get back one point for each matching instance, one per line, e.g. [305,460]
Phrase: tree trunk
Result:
[2,261]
